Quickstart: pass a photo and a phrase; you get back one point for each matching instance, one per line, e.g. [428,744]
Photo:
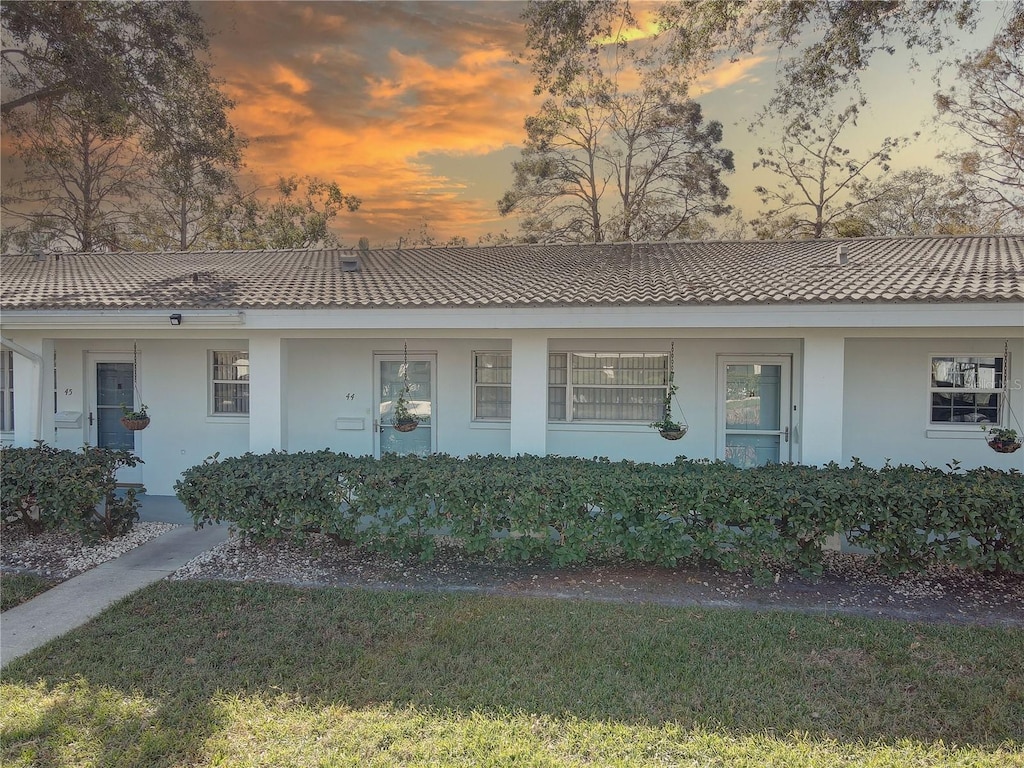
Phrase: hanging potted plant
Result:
[1003,440]
[403,419]
[134,420]
[669,428]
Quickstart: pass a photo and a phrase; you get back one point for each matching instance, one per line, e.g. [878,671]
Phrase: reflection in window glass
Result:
[966,390]
[753,395]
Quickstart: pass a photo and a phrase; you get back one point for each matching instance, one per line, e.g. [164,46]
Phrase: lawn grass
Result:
[16,588]
[203,673]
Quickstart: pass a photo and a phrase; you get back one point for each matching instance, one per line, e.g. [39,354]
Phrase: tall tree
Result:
[834,39]
[987,108]
[299,215]
[79,176]
[817,173]
[135,71]
[915,202]
[194,153]
[602,163]
[113,56]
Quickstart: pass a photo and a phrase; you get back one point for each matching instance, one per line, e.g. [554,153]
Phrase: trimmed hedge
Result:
[45,488]
[571,510]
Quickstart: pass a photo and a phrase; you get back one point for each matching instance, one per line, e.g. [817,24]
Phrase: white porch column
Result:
[821,420]
[33,389]
[267,380]
[529,425]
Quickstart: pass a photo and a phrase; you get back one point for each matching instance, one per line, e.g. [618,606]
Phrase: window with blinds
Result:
[492,386]
[6,390]
[625,387]
[229,383]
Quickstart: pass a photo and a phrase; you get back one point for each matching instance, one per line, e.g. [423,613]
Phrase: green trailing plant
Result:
[669,428]
[402,418]
[135,415]
[567,510]
[1002,439]
[46,488]
[667,423]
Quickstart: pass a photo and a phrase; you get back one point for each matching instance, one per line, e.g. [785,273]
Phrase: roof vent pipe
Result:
[841,254]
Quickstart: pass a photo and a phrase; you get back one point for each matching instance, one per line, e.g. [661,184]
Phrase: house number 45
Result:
[350,396]
[68,391]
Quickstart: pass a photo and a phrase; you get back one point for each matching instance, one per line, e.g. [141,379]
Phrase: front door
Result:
[111,377]
[754,417]
[392,372]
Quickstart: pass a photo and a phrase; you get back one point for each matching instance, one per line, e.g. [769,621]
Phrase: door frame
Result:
[393,357]
[127,475]
[786,406]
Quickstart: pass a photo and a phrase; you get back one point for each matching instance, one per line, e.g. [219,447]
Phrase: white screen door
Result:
[390,372]
[754,405]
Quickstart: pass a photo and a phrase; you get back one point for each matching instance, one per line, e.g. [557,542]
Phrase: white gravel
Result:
[58,555]
[850,583]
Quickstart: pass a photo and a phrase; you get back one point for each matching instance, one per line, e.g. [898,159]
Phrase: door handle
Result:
[785,434]
[90,418]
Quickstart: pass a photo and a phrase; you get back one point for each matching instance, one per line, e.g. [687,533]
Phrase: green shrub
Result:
[45,488]
[569,510]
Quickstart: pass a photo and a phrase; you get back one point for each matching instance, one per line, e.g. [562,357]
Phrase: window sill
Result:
[244,419]
[576,426]
[502,425]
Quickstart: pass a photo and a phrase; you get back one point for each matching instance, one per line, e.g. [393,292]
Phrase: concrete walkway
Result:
[73,602]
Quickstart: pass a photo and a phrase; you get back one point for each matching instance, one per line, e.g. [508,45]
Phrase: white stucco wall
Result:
[696,368]
[324,371]
[886,388]
[173,383]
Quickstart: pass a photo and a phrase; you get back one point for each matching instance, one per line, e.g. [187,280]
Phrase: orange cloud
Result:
[728,74]
[285,76]
[378,118]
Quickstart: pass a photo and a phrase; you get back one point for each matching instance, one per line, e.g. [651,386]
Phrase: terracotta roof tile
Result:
[928,269]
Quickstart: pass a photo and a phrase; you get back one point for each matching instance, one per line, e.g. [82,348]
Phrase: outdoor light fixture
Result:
[176,318]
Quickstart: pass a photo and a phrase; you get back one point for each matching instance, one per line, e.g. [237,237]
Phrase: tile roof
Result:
[927,269]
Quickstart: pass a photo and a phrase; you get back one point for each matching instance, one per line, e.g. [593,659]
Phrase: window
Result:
[6,390]
[965,390]
[492,386]
[607,386]
[230,383]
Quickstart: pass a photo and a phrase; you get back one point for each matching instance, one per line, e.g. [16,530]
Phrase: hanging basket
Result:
[406,425]
[672,434]
[1004,446]
[134,425]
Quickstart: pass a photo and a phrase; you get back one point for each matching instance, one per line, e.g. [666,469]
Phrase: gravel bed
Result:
[850,584]
[59,555]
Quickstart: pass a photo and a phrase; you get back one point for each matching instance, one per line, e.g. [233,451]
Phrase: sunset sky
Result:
[418,108]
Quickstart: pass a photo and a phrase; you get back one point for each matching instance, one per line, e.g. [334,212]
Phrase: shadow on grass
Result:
[176,647]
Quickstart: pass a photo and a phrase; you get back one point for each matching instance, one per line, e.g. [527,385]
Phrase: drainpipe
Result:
[37,361]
